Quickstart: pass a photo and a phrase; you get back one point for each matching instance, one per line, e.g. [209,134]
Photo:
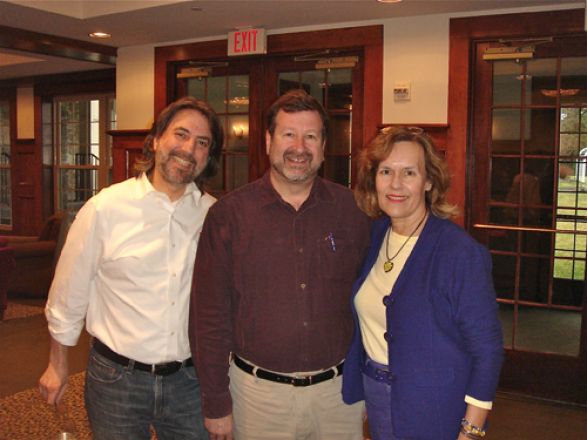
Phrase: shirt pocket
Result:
[337,259]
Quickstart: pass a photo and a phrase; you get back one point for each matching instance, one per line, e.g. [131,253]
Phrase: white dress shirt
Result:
[126,269]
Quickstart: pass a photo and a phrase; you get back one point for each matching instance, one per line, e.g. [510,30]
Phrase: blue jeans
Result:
[378,401]
[122,404]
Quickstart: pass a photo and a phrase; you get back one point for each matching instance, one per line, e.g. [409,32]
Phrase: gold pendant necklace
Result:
[388,265]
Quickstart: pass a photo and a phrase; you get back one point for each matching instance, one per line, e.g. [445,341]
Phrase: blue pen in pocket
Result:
[330,237]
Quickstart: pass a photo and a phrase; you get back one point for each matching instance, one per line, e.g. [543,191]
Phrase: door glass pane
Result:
[228,95]
[504,275]
[568,291]
[506,126]
[503,215]
[548,331]
[314,82]
[507,84]
[540,131]
[573,80]
[339,135]
[338,169]
[543,171]
[537,243]
[501,240]
[503,172]
[573,132]
[237,172]
[288,81]
[47,129]
[83,150]
[77,186]
[340,90]
[238,94]
[5,179]
[506,316]
[534,274]
[541,81]
[196,87]
[216,93]
[218,180]
[237,135]
[74,130]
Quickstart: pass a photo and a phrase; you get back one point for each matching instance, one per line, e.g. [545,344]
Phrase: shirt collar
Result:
[145,187]
[319,193]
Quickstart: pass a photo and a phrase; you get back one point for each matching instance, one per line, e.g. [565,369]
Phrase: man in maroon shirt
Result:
[270,318]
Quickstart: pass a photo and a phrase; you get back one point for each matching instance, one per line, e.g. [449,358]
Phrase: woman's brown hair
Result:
[380,148]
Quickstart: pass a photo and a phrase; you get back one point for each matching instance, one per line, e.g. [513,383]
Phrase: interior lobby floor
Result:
[24,352]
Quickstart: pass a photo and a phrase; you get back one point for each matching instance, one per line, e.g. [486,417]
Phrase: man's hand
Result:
[219,429]
[53,382]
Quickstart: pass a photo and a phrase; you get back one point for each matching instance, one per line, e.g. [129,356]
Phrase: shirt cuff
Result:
[479,403]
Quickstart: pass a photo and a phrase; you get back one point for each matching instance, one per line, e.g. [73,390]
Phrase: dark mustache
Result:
[305,155]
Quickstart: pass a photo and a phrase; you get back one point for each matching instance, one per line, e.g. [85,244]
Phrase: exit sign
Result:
[248,41]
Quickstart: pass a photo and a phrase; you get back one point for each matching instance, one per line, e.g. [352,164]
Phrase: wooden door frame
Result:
[519,375]
[463,33]
[367,39]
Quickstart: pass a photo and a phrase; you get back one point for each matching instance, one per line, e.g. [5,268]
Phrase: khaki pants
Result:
[265,410]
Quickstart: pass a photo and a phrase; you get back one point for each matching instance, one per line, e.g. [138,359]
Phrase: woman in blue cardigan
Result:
[427,349]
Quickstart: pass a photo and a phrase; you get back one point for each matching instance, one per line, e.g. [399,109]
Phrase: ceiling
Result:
[66,24]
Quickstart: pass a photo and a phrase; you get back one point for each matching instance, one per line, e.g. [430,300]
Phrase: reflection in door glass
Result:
[548,331]
[541,81]
[537,200]
[573,80]
[229,97]
[507,86]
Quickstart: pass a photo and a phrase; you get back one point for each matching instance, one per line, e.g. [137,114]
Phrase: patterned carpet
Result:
[25,416]
[16,310]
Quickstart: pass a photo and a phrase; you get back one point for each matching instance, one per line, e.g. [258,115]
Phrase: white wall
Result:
[135,85]
[415,50]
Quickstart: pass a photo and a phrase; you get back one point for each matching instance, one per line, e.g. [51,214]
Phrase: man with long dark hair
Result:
[126,270]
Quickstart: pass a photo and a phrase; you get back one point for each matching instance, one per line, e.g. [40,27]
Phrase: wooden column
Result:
[127,145]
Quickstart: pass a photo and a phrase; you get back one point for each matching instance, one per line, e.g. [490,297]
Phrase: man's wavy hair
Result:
[146,163]
[293,101]
[380,148]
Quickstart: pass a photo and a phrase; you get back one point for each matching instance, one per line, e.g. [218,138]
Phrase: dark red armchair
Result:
[35,257]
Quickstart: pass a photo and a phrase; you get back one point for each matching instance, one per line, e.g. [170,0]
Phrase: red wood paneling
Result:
[127,145]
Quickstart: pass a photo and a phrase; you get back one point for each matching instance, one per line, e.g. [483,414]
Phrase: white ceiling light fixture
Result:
[100,35]
[389,1]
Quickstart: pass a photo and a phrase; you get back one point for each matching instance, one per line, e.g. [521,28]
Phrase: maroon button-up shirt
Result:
[273,284]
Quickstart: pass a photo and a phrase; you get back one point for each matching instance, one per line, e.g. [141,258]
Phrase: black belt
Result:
[290,380]
[156,369]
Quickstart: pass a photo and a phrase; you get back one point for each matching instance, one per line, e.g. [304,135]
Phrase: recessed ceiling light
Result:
[389,1]
[100,35]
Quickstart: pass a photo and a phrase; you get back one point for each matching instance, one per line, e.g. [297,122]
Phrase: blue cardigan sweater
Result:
[443,333]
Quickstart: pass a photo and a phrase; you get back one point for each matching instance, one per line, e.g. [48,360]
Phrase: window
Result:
[570,247]
[82,150]
[5,186]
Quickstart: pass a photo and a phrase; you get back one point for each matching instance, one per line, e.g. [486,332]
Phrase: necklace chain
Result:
[388,265]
